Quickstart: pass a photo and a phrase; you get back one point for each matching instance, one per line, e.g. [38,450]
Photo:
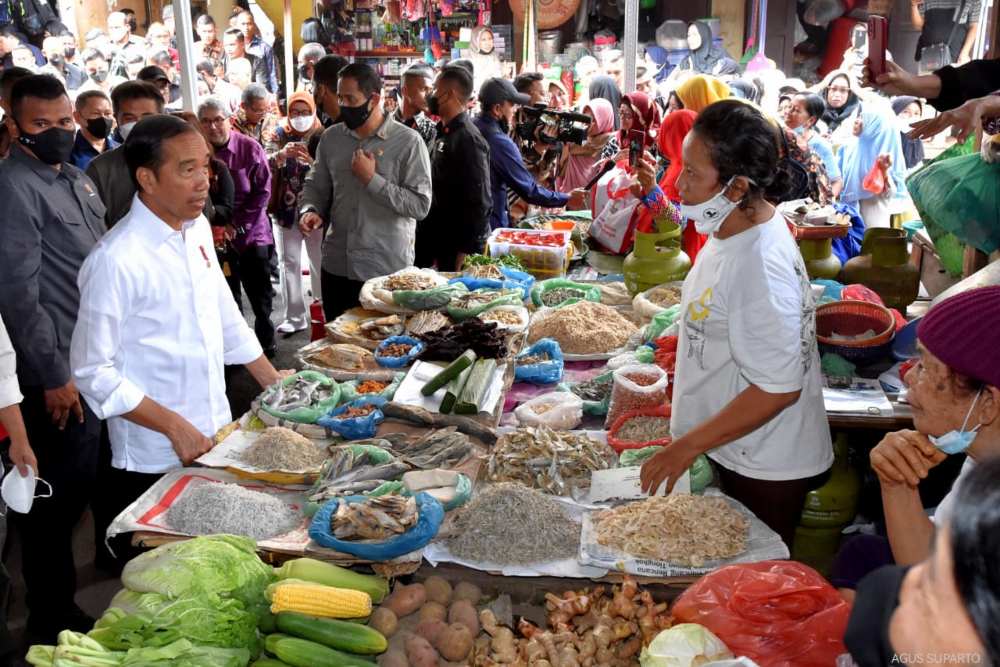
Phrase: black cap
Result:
[152,73]
[498,91]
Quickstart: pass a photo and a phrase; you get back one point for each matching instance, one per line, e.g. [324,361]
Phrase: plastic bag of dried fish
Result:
[595,393]
[303,397]
[557,462]
[356,469]
[441,448]
[560,410]
[471,304]
[356,420]
[429,299]
[374,519]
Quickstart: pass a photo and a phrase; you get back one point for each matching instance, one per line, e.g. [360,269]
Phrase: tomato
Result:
[531,238]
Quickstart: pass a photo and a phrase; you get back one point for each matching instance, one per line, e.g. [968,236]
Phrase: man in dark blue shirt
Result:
[95,119]
[498,99]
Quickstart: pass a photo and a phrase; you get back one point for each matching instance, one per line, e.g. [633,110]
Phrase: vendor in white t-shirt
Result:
[954,391]
[748,390]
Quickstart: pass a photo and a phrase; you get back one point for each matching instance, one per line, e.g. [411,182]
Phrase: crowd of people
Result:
[135,233]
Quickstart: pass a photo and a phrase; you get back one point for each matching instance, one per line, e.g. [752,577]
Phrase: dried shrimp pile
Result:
[584,327]
[682,529]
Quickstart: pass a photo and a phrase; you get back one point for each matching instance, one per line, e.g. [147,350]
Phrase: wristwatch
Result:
[308,208]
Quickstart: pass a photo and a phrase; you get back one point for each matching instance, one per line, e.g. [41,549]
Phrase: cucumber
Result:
[470,402]
[454,390]
[269,662]
[304,653]
[449,373]
[328,574]
[267,623]
[342,635]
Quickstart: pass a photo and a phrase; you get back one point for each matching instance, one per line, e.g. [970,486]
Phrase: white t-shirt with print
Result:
[748,317]
[947,505]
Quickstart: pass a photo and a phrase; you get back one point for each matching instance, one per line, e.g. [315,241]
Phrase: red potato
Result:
[454,643]
[433,611]
[466,591]
[420,653]
[430,630]
[405,600]
[464,612]
[394,658]
[384,620]
[438,590]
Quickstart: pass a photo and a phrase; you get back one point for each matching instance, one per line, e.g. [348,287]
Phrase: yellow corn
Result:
[319,600]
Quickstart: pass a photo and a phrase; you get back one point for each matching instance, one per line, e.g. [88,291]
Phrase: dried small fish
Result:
[279,448]
[347,473]
[408,282]
[374,519]
[487,271]
[301,393]
[556,462]
[343,356]
[481,297]
[426,321]
[644,429]
[443,448]
[594,390]
[416,415]
[381,328]
[556,296]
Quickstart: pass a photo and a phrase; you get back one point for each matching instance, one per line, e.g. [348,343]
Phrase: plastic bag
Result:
[560,411]
[549,371]
[860,293]
[520,311]
[309,414]
[644,306]
[661,322]
[354,428]
[398,362]
[636,457]
[662,411]
[594,408]
[512,279]
[635,387]
[874,181]
[777,613]
[684,645]
[503,297]
[350,389]
[588,292]
[431,514]
[641,355]
[428,299]
[831,288]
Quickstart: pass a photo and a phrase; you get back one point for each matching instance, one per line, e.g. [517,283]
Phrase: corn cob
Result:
[319,600]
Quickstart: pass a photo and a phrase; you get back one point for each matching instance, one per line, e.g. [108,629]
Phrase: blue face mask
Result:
[800,130]
[956,442]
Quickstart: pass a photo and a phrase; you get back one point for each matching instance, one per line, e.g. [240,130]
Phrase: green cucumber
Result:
[454,390]
[267,623]
[342,635]
[269,662]
[452,371]
[470,402]
[304,653]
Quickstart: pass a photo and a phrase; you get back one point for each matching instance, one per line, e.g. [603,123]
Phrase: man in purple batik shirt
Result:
[250,232]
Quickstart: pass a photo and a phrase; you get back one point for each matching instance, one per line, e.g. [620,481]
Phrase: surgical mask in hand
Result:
[956,442]
[708,216]
[19,491]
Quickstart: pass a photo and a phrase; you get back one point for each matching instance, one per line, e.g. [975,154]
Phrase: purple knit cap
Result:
[964,333]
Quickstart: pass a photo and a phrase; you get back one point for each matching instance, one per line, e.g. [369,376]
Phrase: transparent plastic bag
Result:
[588,292]
[594,408]
[354,428]
[549,371]
[636,387]
[304,415]
[428,299]
[661,322]
[560,411]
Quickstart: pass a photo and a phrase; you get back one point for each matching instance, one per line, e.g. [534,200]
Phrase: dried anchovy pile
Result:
[644,429]
[682,529]
[280,448]
[502,525]
[448,343]
[594,390]
[217,507]
[554,461]
[556,296]
[480,297]
[408,281]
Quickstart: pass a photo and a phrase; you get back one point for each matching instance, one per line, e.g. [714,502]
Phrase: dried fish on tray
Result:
[374,519]
[341,357]
[557,462]
[442,448]
[352,470]
[426,321]
[408,281]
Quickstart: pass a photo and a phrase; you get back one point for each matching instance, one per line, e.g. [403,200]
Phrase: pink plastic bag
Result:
[777,613]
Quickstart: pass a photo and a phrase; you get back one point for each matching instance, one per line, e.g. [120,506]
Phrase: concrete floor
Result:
[94,588]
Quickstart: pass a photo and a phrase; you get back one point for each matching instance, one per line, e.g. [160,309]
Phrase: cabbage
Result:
[183,653]
[684,645]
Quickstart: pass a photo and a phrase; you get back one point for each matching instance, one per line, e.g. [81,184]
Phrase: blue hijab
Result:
[879,136]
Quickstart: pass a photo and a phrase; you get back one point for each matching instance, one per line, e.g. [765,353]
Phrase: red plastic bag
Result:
[777,613]
[621,445]
[875,180]
[860,293]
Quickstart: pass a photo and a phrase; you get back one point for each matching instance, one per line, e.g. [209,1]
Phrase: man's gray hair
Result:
[311,50]
[254,92]
[213,103]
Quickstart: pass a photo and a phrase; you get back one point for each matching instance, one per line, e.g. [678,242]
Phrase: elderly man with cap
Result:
[498,99]
[954,390]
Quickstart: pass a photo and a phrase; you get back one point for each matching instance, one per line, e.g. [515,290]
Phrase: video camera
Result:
[556,126]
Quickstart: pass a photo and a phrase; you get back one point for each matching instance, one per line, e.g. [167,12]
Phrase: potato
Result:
[405,600]
[433,611]
[420,653]
[384,620]
[454,643]
[430,630]
[394,658]
[438,590]
[466,591]
[464,613]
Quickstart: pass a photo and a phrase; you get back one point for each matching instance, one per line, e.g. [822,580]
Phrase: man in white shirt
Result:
[157,321]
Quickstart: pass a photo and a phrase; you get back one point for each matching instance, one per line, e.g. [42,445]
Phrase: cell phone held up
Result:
[878,40]
[636,144]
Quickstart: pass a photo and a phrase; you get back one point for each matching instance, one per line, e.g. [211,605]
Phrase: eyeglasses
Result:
[213,121]
[838,89]
[627,115]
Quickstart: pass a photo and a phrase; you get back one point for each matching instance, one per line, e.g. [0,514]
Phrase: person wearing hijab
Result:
[674,102]
[875,135]
[909,109]
[670,142]
[843,102]
[705,56]
[581,163]
[639,112]
[604,87]
[289,167]
[485,60]
[701,91]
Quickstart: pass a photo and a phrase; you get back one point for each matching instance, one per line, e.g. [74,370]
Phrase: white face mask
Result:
[708,216]
[19,492]
[125,129]
[301,123]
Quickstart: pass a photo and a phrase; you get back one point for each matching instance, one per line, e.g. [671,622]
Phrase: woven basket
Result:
[851,318]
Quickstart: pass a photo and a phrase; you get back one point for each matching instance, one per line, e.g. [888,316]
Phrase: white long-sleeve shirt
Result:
[10,391]
[156,319]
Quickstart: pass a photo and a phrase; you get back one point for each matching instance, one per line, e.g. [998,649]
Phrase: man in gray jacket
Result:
[369,185]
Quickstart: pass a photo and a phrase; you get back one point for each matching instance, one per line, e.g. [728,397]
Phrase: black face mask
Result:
[69,51]
[100,76]
[100,127]
[56,61]
[867,636]
[355,117]
[52,146]
[433,105]
[304,73]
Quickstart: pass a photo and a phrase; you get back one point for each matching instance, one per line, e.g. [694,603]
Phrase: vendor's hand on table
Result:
[309,223]
[666,466]
[905,457]
[188,442]
[577,200]
[363,165]
[966,120]
[62,401]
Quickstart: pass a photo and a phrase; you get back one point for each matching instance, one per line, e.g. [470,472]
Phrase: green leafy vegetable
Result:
[510,261]
[183,653]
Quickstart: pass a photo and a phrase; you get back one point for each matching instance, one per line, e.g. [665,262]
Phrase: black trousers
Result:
[339,294]
[251,270]
[67,460]
[116,490]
